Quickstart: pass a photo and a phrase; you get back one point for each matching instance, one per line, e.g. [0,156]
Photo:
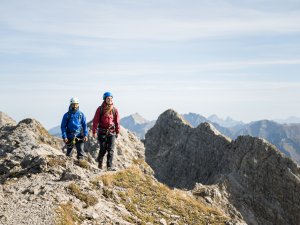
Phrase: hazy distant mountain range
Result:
[55,131]
[228,122]
[137,124]
[291,119]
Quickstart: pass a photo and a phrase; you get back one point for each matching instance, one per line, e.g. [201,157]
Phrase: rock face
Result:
[38,179]
[284,136]
[259,182]
[195,119]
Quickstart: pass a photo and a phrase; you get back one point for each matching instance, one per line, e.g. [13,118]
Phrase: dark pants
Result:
[107,144]
[79,147]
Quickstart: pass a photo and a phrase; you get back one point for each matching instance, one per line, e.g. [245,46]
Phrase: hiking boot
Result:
[100,165]
[109,168]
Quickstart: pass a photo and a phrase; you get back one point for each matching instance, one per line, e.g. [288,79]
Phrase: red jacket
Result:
[107,120]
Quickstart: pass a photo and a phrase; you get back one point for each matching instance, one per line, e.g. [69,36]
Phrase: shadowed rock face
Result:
[262,184]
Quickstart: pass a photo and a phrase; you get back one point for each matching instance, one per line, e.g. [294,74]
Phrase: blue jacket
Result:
[73,125]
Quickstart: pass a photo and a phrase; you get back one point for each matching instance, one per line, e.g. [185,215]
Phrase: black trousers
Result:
[79,147]
[107,145]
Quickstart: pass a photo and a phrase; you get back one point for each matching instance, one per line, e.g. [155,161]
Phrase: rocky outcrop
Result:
[40,185]
[46,186]
[257,180]
[6,120]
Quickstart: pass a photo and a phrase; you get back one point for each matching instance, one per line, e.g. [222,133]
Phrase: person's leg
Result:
[69,150]
[110,151]
[102,151]
[79,148]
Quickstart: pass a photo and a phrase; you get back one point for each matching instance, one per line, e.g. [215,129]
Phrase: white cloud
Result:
[128,21]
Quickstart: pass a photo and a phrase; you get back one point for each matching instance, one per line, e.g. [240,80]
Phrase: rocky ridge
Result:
[248,177]
[46,187]
[36,176]
[5,119]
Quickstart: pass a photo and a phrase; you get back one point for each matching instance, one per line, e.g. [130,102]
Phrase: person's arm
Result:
[117,121]
[96,121]
[63,127]
[85,128]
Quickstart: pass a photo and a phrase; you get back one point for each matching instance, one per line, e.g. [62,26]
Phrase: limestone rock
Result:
[260,182]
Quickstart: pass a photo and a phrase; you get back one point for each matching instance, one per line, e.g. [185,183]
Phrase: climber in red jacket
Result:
[106,125]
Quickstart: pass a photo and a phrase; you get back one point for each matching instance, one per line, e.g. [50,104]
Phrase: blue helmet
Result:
[107,94]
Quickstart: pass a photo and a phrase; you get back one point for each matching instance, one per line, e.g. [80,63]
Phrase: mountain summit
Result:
[40,185]
[257,180]
[137,124]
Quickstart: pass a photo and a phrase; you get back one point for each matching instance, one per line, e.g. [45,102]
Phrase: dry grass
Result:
[66,215]
[150,201]
[88,199]
[56,161]
[84,164]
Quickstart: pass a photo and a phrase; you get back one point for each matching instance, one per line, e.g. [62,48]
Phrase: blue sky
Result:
[230,58]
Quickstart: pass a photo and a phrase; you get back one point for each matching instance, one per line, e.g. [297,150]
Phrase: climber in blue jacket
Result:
[74,129]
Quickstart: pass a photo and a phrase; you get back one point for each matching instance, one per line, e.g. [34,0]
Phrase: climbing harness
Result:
[73,142]
[107,132]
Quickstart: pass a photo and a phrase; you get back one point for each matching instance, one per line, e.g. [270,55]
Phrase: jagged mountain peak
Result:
[137,124]
[264,121]
[139,119]
[250,170]
[213,116]
[171,116]
[134,118]
[227,122]
[210,128]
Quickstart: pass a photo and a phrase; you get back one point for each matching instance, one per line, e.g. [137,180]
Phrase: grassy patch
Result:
[84,164]
[56,161]
[150,201]
[88,199]
[66,215]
